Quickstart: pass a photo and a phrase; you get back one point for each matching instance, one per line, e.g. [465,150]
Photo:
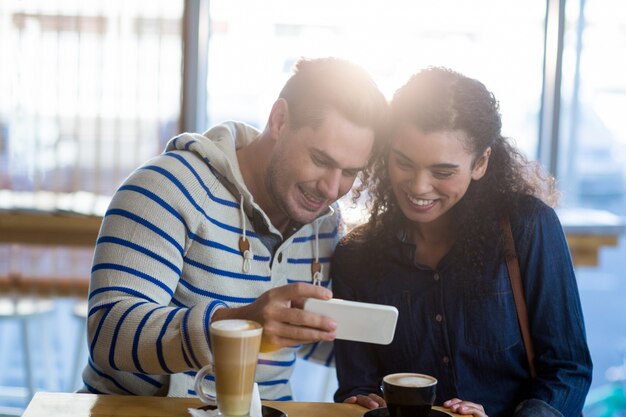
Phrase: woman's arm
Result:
[556,320]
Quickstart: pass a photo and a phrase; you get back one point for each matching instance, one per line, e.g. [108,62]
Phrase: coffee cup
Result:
[409,394]
[235,345]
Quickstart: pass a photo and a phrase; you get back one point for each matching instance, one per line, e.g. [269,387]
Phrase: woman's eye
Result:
[443,174]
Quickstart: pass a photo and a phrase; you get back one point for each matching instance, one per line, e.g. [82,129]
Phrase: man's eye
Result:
[402,163]
[319,162]
[349,173]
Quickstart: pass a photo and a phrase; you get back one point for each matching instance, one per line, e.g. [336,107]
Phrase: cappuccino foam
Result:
[410,380]
[234,327]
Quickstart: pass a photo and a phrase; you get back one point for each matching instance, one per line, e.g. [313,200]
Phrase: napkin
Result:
[255,403]
[255,407]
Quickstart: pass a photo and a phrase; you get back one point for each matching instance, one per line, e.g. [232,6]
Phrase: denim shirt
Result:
[467,335]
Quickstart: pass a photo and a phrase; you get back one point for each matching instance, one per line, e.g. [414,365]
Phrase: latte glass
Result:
[235,345]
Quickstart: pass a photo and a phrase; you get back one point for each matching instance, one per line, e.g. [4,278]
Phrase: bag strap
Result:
[515,276]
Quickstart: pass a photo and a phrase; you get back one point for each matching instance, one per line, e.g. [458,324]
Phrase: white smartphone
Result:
[360,322]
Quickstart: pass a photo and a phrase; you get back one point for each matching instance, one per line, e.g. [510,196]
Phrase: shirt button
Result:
[436,277]
[439,317]
[280,257]
[446,360]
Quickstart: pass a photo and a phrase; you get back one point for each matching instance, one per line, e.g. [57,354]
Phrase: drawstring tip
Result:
[244,248]
[316,269]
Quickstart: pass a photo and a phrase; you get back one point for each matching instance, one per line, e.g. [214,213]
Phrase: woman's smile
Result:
[420,204]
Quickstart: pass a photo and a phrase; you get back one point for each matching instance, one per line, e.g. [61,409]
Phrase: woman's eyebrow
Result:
[443,165]
[446,166]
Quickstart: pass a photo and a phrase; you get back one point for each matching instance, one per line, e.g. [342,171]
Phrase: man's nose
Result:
[330,184]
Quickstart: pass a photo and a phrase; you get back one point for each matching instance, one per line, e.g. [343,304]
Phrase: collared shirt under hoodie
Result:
[463,329]
[168,256]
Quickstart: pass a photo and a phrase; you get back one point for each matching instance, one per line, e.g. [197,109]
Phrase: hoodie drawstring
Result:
[246,252]
[316,266]
[244,243]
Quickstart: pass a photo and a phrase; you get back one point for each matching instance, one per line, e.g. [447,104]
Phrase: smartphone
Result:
[360,322]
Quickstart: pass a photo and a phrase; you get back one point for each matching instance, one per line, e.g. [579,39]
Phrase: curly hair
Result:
[439,99]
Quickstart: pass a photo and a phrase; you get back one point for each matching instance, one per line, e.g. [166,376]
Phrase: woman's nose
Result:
[420,183]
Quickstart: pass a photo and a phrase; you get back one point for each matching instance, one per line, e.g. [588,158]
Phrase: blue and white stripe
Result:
[167,257]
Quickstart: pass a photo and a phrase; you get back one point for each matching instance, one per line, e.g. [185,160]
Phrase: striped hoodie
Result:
[168,256]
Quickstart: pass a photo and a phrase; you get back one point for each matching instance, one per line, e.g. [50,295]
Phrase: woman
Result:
[433,248]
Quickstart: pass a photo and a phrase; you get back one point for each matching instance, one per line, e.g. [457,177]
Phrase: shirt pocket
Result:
[491,320]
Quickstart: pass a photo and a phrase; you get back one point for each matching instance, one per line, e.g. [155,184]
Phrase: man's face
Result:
[313,167]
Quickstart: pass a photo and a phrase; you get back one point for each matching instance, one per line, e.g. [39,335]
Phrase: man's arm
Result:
[136,323]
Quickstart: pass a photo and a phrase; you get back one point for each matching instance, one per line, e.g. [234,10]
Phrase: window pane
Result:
[592,160]
[92,90]
[499,42]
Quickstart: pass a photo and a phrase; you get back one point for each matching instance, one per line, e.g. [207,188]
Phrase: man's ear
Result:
[279,117]
[481,164]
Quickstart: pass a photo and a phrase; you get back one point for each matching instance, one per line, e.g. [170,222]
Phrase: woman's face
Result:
[431,172]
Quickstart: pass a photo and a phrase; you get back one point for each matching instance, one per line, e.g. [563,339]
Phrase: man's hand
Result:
[284,322]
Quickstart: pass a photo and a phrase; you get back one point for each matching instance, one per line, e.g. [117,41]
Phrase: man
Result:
[234,223]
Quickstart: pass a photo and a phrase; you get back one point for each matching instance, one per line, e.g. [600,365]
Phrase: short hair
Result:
[323,84]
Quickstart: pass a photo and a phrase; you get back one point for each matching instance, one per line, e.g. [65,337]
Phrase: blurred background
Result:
[90,89]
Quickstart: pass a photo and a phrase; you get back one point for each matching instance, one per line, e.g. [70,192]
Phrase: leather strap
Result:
[515,276]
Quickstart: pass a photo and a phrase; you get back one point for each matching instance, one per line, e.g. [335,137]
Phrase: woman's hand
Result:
[465,407]
[370,401]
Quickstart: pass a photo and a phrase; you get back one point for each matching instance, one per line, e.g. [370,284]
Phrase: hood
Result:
[218,148]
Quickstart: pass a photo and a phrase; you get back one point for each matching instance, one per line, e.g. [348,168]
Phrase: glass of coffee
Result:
[409,394]
[235,345]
